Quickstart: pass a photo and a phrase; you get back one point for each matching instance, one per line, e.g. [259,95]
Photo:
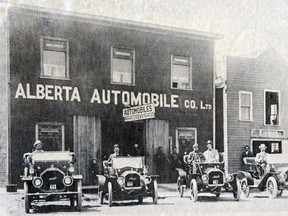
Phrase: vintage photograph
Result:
[143,107]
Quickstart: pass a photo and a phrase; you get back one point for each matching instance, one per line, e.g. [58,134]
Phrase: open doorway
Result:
[126,134]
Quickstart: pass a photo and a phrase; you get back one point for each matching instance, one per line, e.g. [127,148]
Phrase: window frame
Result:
[240,106]
[172,56]
[184,129]
[133,65]
[279,107]
[42,40]
[53,124]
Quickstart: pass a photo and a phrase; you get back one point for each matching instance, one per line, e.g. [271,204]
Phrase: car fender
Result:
[181,172]
[242,174]
[263,182]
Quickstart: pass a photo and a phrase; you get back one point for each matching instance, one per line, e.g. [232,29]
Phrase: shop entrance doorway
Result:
[126,134]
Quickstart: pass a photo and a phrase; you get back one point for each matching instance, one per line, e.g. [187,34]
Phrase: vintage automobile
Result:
[274,179]
[126,178]
[50,176]
[203,177]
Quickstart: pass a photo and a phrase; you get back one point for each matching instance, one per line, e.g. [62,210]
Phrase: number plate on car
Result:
[53,187]
[129,184]
[215,181]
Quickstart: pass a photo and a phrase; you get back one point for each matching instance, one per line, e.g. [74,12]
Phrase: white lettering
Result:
[125,98]
[145,98]
[116,93]
[135,100]
[155,99]
[75,95]
[106,100]
[174,103]
[48,91]
[58,93]
[67,89]
[28,92]
[40,91]
[20,91]
[95,97]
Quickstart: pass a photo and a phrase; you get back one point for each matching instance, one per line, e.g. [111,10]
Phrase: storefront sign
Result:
[146,111]
[108,96]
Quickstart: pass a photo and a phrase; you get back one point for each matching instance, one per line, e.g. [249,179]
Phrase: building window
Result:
[54,58]
[122,66]
[272,146]
[245,106]
[181,72]
[271,108]
[51,134]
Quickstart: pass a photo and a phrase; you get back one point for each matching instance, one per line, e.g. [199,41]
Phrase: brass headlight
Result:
[121,181]
[37,182]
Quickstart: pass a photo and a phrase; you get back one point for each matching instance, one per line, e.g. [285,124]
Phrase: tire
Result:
[26,198]
[101,197]
[237,190]
[79,196]
[280,192]
[110,194]
[194,190]
[245,188]
[140,199]
[155,192]
[272,187]
[180,188]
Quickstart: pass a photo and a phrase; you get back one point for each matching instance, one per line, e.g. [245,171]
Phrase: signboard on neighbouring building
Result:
[146,111]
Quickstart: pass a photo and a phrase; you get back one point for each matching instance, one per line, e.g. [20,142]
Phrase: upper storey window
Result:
[54,58]
[272,108]
[122,66]
[181,72]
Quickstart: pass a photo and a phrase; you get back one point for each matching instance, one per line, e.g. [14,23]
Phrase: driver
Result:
[211,155]
[261,159]
[194,157]
[115,154]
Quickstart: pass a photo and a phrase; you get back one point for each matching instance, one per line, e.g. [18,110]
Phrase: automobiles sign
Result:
[145,111]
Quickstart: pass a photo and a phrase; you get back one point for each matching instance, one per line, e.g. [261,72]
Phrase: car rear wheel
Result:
[237,190]
[194,190]
[272,187]
[110,194]
[180,188]
[155,192]
[79,195]
[26,198]
[245,188]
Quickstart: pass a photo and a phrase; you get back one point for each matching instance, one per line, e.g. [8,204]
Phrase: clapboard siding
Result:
[253,75]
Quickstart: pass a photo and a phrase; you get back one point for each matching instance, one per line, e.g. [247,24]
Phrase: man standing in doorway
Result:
[160,162]
[136,151]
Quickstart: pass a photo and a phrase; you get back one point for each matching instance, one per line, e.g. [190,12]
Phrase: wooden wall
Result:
[87,143]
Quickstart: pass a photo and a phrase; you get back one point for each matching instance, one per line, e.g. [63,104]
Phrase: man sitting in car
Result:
[211,155]
[194,157]
[261,159]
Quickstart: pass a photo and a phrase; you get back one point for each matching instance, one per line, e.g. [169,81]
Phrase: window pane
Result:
[245,100]
[51,136]
[54,64]
[181,77]
[122,70]
[245,113]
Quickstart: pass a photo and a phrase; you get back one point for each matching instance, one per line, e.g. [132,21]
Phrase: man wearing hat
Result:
[38,146]
[211,155]
[261,159]
[115,154]
[193,157]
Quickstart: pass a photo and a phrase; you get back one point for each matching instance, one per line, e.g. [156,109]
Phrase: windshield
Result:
[121,162]
[277,158]
[52,156]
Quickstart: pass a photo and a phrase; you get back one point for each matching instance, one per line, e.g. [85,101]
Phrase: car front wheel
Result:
[272,187]
[155,192]
[194,190]
[110,194]
[237,189]
[79,196]
[26,198]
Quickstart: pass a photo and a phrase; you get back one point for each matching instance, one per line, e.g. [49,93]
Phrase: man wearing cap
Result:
[38,146]
[193,157]
[211,155]
[261,159]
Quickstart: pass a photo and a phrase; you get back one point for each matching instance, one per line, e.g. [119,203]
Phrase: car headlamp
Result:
[71,169]
[282,176]
[230,178]
[204,178]
[67,180]
[31,170]
[37,182]
[121,181]
[147,180]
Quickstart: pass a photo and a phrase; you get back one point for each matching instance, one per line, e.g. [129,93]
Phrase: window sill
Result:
[182,89]
[54,78]
[124,84]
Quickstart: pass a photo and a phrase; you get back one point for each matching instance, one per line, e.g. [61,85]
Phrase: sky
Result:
[248,27]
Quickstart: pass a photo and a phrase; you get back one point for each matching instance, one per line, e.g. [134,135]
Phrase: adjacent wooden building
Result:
[252,105]
[66,78]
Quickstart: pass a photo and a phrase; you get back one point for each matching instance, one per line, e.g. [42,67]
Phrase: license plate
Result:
[215,181]
[129,184]
[53,187]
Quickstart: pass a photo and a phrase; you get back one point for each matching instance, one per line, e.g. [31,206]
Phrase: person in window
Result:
[174,162]
[211,155]
[38,145]
[261,159]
